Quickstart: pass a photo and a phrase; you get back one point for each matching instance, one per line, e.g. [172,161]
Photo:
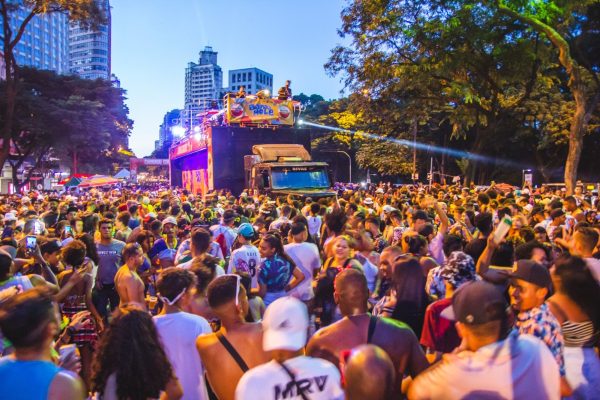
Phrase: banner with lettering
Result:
[254,110]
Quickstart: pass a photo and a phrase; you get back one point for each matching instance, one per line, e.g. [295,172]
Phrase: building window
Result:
[249,76]
[244,77]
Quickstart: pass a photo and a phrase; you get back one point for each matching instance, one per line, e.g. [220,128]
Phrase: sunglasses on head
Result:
[237,287]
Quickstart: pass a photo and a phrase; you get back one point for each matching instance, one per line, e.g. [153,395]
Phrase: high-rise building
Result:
[203,82]
[253,79]
[165,134]
[45,41]
[90,51]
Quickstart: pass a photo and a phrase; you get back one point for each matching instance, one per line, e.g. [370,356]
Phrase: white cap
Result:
[285,325]
[9,216]
[169,220]
[25,199]
[380,191]
[368,201]
[387,208]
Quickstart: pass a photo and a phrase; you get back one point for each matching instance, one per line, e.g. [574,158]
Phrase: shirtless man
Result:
[358,327]
[227,298]
[130,286]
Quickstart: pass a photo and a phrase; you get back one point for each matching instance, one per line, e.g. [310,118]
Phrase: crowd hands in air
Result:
[383,292]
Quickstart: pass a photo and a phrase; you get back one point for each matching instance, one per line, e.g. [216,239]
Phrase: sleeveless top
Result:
[577,334]
[26,380]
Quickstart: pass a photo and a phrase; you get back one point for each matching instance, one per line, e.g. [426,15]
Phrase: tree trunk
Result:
[575,138]
[15,178]
[576,86]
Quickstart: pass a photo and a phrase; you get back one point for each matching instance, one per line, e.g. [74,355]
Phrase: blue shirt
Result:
[26,380]
[275,273]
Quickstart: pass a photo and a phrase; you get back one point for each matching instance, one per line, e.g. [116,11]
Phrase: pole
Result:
[430,172]
[414,132]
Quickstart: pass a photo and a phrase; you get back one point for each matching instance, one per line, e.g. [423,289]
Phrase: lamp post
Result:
[349,161]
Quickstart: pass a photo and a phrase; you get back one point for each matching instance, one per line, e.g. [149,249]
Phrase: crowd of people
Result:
[442,292]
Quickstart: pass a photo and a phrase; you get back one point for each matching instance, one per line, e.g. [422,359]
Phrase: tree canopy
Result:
[67,117]
[468,74]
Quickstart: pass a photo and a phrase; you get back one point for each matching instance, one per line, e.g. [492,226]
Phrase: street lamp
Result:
[178,131]
[349,161]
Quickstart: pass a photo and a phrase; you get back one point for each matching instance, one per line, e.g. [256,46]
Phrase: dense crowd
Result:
[382,292]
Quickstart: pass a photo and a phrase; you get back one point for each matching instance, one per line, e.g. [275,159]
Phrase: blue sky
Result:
[153,40]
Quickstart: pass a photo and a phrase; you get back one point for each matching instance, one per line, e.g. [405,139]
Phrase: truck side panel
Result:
[231,144]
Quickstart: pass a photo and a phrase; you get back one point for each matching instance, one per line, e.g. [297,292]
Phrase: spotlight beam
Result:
[425,147]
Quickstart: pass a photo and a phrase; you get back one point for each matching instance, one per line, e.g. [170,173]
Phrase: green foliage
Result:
[461,69]
[65,115]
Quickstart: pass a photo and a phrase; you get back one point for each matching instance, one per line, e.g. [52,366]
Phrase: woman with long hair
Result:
[576,305]
[130,362]
[342,248]
[407,300]
[278,273]
[75,296]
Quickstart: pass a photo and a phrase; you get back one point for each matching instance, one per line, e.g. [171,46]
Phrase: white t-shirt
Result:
[229,233]
[188,264]
[245,259]
[178,333]
[270,381]
[371,271]
[519,367]
[306,257]
[314,225]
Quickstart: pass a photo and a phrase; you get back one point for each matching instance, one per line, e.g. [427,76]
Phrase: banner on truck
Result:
[254,110]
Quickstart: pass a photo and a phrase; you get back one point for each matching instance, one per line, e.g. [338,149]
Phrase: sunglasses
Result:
[237,287]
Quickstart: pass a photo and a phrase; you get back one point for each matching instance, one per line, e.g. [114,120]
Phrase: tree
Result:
[460,70]
[556,21]
[86,12]
[66,117]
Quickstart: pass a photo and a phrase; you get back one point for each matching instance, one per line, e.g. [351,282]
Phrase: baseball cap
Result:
[169,220]
[368,201]
[387,208]
[476,303]
[459,268]
[532,272]
[380,191]
[285,325]
[246,230]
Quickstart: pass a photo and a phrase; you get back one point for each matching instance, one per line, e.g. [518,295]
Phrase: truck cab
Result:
[283,169]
